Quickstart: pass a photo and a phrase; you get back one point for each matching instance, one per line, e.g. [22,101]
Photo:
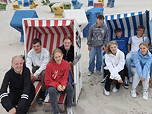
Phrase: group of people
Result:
[54,73]
[125,60]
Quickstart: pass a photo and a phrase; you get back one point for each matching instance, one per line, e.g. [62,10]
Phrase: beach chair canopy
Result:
[128,22]
[50,31]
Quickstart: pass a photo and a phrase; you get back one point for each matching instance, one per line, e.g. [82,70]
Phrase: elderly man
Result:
[21,91]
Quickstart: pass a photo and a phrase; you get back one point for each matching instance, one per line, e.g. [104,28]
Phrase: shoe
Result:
[114,90]
[133,93]
[145,95]
[98,72]
[90,73]
[69,110]
[126,85]
[107,93]
[103,80]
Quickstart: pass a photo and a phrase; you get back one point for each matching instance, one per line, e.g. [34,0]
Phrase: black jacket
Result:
[68,55]
[19,85]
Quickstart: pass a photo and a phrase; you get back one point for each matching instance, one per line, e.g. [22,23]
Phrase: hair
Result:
[17,56]
[36,40]
[108,46]
[57,50]
[117,30]
[144,44]
[67,38]
[141,27]
[101,17]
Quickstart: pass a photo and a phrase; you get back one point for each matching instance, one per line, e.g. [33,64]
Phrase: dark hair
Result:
[117,30]
[36,41]
[141,27]
[57,50]
[101,17]
[67,38]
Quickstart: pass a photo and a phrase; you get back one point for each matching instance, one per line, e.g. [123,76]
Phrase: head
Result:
[143,48]
[140,31]
[36,44]
[57,56]
[112,47]
[118,32]
[67,42]
[100,19]
[17,64]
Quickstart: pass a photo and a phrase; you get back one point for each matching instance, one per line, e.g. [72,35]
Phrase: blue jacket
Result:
[142,63]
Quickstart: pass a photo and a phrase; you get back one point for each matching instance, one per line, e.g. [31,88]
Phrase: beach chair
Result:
[90,3]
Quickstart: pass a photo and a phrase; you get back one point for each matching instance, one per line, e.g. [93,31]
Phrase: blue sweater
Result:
[142,63]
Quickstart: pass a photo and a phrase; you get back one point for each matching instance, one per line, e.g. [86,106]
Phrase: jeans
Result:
[110,3]
[95,53]
[128,64]
[53,93]
[136,80]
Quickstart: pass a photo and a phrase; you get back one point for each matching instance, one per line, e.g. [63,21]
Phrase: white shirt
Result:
[135,42]
[37,59]
[115,63]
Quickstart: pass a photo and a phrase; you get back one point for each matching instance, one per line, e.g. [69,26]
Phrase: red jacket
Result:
[56,74]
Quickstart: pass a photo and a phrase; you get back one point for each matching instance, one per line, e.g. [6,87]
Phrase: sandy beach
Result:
[92,100]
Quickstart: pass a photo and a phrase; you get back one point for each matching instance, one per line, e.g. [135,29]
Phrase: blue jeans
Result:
[110,3]
[95,53]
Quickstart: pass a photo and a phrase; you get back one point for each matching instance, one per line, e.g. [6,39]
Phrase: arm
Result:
[48,80]
[90,36]
[44,63]
[29,61]
[129,44]
[146,68]
[136,62]
[106,37]
[63,81]
[5,100]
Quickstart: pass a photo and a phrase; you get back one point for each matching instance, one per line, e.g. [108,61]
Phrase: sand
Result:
[92,100]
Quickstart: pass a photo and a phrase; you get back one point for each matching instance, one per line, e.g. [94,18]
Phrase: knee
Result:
[52,90]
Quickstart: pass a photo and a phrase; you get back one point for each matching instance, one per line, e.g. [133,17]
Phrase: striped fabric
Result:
[128,22]
[51,32]
[3,1]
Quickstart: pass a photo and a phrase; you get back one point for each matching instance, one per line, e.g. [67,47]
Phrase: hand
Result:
[89,48]
[120,81]
[33,78]
[63,88]
[59,88]
[12,111]
[142,79]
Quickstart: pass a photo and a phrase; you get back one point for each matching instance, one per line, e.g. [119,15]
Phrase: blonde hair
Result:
[108,46]
[17,56]
[57,50]
[144,44]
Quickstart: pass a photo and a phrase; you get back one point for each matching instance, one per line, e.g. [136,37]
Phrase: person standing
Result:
[97,39]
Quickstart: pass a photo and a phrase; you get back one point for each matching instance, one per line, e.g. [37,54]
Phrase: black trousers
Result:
[109,81]
[22,105]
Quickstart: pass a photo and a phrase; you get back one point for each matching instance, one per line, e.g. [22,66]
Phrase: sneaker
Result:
[126,85]
[145,95]
[133,93]
[90,73]
[114,90]
[107,93]
[98,72]
[69,110]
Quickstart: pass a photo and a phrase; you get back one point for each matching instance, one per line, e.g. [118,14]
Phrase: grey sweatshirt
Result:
[98,36]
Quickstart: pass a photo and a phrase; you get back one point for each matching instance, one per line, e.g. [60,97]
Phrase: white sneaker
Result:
[133,93]
[145,95]
[90,73]
[107,93]
[69,110]
[114,90]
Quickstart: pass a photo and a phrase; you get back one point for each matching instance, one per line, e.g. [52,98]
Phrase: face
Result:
[118,34]
[143,49]
[58,57]
[37,47]
[67,44]
[17,65]
[113,48]
[99,21]
[140,32]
